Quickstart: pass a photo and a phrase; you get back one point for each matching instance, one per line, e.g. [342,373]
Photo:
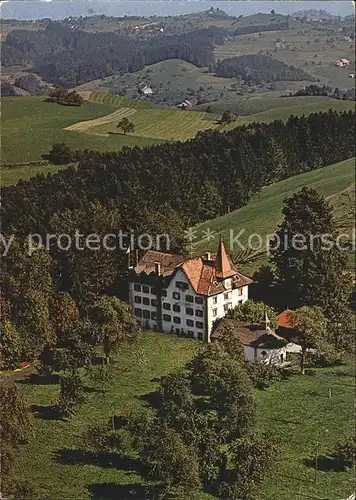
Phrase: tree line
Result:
[327,91]
[272,26]
[258,69]
[68,57]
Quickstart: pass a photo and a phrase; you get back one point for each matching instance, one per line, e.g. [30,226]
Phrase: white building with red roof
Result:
[175,294]
[342,63]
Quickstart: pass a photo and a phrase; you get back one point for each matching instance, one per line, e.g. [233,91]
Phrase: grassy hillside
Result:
[118,101]
[264,212]
[256,103]
[297,411]
[174,124]
[312,48]
[172,80]
[161,124]
[30,126]
[299,109]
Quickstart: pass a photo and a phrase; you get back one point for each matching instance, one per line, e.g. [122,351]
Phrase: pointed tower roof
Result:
[222,262]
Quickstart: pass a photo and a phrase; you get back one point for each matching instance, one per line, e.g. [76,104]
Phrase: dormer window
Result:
[228,284]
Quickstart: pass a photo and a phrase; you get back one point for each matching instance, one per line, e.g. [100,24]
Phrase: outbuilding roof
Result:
[250,335]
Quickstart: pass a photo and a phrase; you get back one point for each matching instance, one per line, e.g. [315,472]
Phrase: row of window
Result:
[175,295]
[166,306]
[145,289]
[144,313]
[188,310]
[145,300]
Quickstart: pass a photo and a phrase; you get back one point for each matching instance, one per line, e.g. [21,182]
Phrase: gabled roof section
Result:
[204,274]
[168,262]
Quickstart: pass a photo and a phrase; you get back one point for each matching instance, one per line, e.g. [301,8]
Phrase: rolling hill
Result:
[256,103]
[264,212]
[30,125]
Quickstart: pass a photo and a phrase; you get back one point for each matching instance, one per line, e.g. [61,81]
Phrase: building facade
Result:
[259,341]
[173,294]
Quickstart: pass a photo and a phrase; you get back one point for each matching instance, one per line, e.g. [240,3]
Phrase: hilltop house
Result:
[171,293]
[145,89]
[260,342]
[342,63]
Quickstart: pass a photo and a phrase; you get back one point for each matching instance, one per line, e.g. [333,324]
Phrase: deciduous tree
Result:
[309,324]
[126,125]
[115,324]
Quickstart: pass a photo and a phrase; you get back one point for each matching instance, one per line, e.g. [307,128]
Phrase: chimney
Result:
[158,268]
[208,255]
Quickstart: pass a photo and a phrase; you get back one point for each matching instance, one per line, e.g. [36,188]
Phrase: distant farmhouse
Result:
[174,294]
[145,27]
[187,103]
[145,89]
[342,63]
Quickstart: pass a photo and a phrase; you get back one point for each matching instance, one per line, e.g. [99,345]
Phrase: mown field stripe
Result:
[86,125]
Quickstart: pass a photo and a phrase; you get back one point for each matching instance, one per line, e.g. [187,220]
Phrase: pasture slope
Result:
[156,122]
[172,124]
[264,212]
[297,411]
[252,104]
[30,125]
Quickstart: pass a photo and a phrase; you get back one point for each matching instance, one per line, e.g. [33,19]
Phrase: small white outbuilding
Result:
[260,343]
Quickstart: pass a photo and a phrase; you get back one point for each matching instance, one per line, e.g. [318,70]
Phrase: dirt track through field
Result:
[112,117]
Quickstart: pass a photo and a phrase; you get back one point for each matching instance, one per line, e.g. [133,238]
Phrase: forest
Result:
[205,175]
[68,57]
[259,68]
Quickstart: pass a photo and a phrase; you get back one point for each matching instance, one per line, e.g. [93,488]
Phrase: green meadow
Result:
[298,411]
[263,213]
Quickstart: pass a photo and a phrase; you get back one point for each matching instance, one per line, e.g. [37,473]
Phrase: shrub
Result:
[326,356]
[60,154]
[345,451]
[71,395]
[262,374]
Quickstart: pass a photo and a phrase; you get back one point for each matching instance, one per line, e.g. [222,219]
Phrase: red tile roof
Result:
[284,319]
[206,276]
